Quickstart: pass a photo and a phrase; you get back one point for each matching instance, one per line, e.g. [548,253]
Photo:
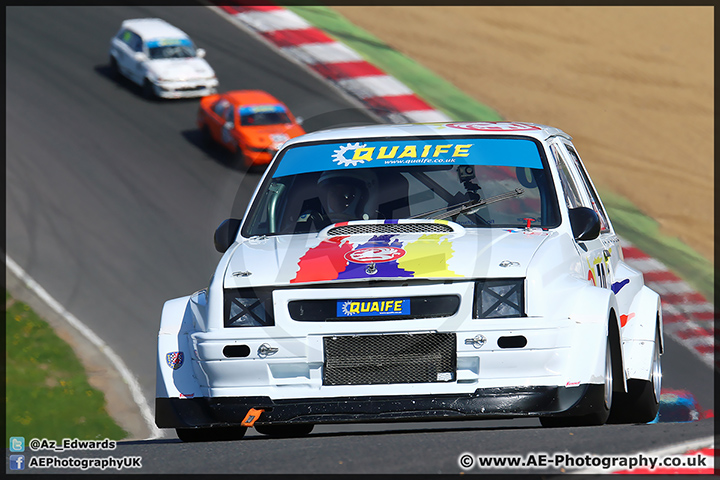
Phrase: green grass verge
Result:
[627,220]
[643,231]
[47,392]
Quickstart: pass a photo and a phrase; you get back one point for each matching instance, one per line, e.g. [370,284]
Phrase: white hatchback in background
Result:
[161,59]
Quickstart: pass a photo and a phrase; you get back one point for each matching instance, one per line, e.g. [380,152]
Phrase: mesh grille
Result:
[390,228]
[384,359]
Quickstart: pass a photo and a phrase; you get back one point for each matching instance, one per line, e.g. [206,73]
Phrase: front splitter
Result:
[506,402]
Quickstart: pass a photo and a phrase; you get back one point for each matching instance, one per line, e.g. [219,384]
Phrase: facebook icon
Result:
[17,462]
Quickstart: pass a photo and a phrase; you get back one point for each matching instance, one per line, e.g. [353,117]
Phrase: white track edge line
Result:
[675,449]
[93,338]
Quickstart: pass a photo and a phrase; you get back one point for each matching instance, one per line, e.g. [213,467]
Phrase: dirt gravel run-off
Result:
[633,86]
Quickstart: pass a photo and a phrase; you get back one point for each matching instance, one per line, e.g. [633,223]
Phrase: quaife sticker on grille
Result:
[373,307]
[384,359]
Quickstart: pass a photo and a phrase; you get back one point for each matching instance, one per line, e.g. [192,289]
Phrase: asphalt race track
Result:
[111,206]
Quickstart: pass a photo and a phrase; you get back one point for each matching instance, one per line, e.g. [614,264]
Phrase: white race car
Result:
[161,59]
[414,272]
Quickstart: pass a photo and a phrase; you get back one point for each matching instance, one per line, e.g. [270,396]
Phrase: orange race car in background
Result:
[251,124]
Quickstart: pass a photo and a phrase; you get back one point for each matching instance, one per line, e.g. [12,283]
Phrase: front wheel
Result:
[213,434]
[602,411]
[206,136]
[148,90]
[285,431]
[114,69]
[234,159]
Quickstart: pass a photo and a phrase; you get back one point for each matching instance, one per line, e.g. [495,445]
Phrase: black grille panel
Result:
[420,307]
[390,228]
[190,89]
[384,359]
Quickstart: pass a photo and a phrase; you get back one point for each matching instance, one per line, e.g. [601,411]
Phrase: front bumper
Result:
[255,157]
[188,89]
[505,402]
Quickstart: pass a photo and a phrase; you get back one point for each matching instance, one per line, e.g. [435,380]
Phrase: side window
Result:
[228,116]
[594,198]
[573,198]
[131,39]
[125,36]
[219,107]
[137,44]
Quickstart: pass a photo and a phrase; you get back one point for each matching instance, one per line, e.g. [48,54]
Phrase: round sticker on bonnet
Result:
[374,254]
[494,126]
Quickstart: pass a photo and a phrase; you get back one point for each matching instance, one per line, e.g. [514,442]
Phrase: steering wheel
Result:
[309,218]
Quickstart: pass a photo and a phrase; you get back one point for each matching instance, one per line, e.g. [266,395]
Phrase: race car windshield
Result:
[171,49]
[253,116]
[477,183]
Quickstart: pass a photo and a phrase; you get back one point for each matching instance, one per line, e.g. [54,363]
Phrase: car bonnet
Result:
[270,135]
[181,68]
[316,258]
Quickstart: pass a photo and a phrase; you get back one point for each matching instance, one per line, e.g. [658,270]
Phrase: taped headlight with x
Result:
[499,298]
[248,307]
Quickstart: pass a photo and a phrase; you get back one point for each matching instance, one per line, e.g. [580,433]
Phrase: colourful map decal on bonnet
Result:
[428,256]
[340,259]
[324,261]
[388,268]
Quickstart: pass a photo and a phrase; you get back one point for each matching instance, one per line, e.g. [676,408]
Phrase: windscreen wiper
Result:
[468,207]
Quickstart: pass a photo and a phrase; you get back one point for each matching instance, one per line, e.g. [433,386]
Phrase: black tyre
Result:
[238,158]
[114,69]
[233,160]
[641,402]
[217,434]
[148,90]
[601,414]
[206,136]
[255,167]
[285,431]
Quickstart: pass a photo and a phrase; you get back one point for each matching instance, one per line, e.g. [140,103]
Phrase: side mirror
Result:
[585,223]
[228,126]
[299,120]
[200,53]
[226,233]
[140,57]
